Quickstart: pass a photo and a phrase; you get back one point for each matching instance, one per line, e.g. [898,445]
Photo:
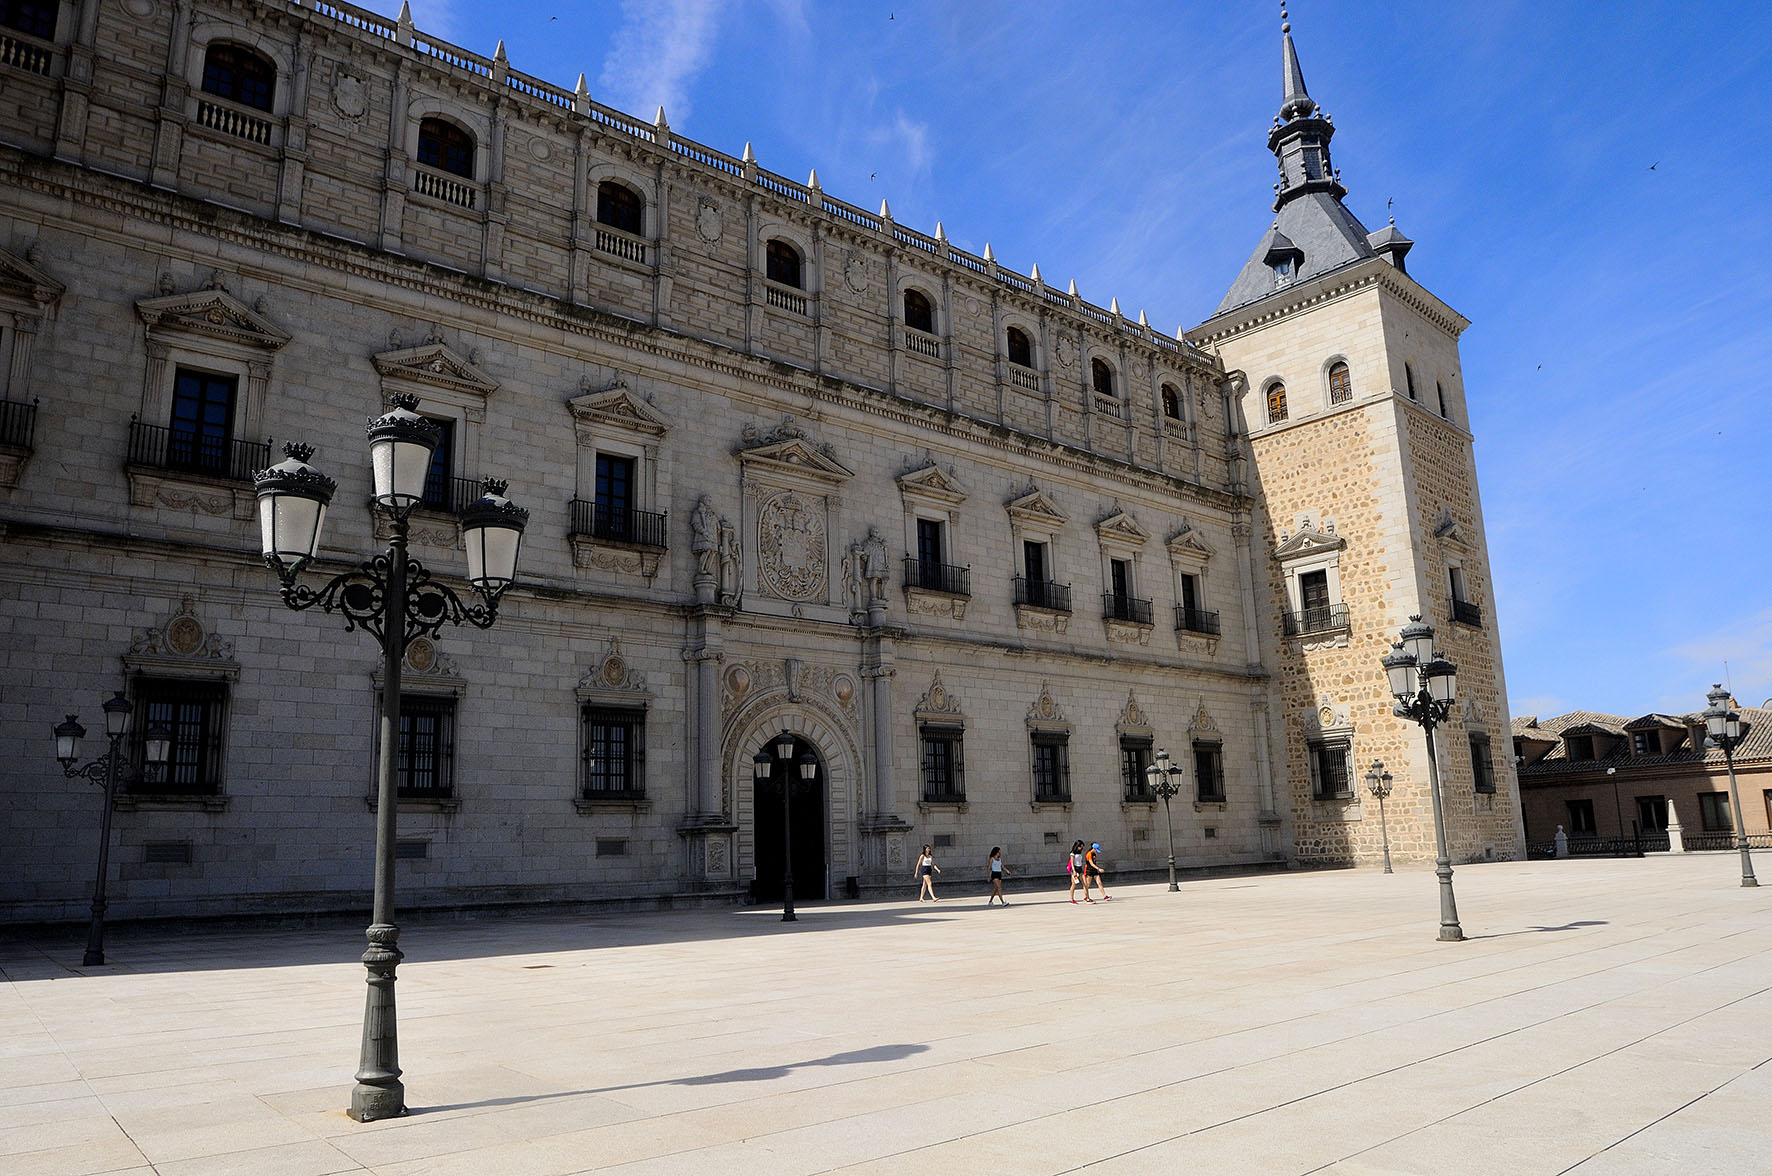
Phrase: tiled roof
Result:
[1755,748]
[1655,719]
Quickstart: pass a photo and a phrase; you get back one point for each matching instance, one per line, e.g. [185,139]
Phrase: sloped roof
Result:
[1319,226]
[1755,748]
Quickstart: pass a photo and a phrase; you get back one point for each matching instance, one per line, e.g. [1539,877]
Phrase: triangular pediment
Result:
[435,365]
[1188,542]
[931,484]
[1309,541]
[1446,528]
[797,455]
[213,314]
[620,408]
[24,281]
[1036,507]
[1123,528]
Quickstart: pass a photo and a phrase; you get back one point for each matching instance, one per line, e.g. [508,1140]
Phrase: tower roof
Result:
[1296,102]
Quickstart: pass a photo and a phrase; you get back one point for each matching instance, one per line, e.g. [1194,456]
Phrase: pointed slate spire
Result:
[1295,102]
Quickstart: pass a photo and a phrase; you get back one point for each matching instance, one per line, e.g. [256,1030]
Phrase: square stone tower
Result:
[1350,389]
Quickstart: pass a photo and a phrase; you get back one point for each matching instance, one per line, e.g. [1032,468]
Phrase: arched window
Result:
[230,71]
[1171,402]
[1440,390]
[1341,388]
[1021,348]
[619,207]
[918,314]
[1276,403]
[35,18]
[1409,380]
[447,147]
[1101,376]
[782,263]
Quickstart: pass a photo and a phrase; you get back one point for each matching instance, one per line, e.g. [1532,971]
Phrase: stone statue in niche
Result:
[852,581]
[703,543]
[873,566]
[730,558]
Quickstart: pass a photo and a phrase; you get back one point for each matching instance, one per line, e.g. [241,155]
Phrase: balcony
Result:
[620,244]
[18,426]
[1115,607]
[233,122]
[204,473]
[1195,620]
[1466,613]
[1326,619]
[616,540]
[452,495]
[784,298]
[1042,594]
[937,577]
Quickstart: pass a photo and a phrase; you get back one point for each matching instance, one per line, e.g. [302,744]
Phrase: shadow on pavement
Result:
[1541,930]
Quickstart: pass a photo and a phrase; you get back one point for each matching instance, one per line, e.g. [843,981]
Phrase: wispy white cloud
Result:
[658,52]
[441,19]
[1740,654]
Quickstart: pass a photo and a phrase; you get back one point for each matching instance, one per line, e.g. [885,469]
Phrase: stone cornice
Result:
[1366,274]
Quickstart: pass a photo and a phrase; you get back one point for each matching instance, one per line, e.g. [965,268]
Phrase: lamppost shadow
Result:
[854,1057]
[1541,930]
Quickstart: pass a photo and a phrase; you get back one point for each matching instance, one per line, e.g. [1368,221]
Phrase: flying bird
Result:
[1655,165]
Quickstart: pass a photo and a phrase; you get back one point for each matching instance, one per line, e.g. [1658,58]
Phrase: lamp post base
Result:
[1451,935]
[369,1103]
[1749,881]
[379,1093]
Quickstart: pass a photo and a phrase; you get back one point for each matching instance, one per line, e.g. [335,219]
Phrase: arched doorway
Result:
[808,817]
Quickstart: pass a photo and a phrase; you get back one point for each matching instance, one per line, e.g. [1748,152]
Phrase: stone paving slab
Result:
[1605,1017]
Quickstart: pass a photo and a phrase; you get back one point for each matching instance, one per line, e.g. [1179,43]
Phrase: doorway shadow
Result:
[854,1057]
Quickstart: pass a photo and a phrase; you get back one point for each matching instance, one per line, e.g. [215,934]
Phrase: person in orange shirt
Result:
[1092,872]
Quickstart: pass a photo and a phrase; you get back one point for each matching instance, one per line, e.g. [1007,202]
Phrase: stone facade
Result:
[788,452]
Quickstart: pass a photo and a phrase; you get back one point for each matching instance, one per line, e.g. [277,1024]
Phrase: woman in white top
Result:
[926,870]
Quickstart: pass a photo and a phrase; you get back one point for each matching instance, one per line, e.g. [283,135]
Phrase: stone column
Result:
[882,830]
[707,830]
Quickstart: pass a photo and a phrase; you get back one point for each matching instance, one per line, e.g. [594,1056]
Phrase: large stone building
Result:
[979,546]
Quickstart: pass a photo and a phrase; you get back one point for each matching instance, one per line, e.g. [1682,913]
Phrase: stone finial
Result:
[749,155]
[581,96]
[499,53]
[940,233]
[660,120]
[812,180]
[988,255]
[1181,334]
[1035,274]
[1114,308]
[1143,321]
[1074,293]
[885,209]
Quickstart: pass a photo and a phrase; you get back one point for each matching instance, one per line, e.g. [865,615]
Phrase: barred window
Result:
[1276,403]
[1482,767]
[1341,387]
[425,768]
[614,753]
[237,74]
[1135,757]
[944,764]
[195,714]
[1329,769]
[1209,771]
[1051,767]
[446,147]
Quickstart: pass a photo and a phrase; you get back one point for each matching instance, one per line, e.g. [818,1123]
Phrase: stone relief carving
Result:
[423,657]
[1201,723]
[183,636]
[1045,711]
[743,681]
[791,547]
[936,701]
[1133,718]
[349,97]
[708,225]
[855,271]
[612,672]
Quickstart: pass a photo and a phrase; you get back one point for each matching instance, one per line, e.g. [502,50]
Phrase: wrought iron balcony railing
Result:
[937,577]
[451,494]
[192,452]
[18,423]
[1042,594]
[642,528]
[1464,612]
[1195,620]
[1316,620]
[1115,607]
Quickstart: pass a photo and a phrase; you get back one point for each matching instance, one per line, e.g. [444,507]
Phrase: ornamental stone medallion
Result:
[349,97]
[791,559]
[855,272]
[707,222]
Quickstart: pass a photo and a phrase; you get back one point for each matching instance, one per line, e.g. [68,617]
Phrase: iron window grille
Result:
[1330,776]
[614,753]
[1042,594]
[1482,766]
[1208,772]
[1135,757]
[1196,620]
[944,765]
[195,712]
[425,768]
[937,577]
[1051,768]
[1116,607]
[18,423]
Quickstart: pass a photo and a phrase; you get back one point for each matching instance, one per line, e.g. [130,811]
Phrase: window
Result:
[195,713]
[1581,816]
[918,314]
[782,263]
[1120,576]
[425,769]
[619,207]
[1455,579]
[202,422]
[614,752]
[944,764]
[1313,595]
[1209,772]
[615,496]
[1101,376]
[1652,814]
[1171,402]
[1020,347]
[1482,767]
[1052,767]
[1276,404]
[439,476]
[1341,387]
[1409,380]
[1646,742]
[34,18]
[1190,591]
[446,147]
[1329,769]
[1713,812]
[1580,747]
[1440,391]
[237,74]
[1033,557]
[929,542]
[1135,757]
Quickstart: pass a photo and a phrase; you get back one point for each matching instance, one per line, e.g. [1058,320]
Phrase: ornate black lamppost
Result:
[1425,685]
[1378,783]
[1164,779]
[105,768]
[395,599]
[1724,726]
[764,765]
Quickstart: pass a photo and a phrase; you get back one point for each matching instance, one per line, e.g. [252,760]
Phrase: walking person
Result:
[1075,868]
[1092,869]
[926,870]
[997,870]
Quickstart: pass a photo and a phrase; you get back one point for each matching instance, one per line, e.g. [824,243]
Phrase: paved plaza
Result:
[1604,1017]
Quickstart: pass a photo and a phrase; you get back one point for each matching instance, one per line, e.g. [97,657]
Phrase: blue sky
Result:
[1587,183]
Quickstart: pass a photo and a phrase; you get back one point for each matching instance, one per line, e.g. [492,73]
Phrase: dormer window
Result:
[1645,742]
[1580,748]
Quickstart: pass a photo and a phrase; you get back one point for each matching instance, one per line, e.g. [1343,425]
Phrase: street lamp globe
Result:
[1153,776]
[117,711]
[67,741]
[1399,667]
[762,764]
[1442,679]
[400,446]
[1417,639]
[292,501]
[157,744]
[492,529]
[808,765]
[784,747]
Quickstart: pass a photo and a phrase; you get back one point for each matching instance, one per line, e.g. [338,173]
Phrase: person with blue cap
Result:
[1092,872]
